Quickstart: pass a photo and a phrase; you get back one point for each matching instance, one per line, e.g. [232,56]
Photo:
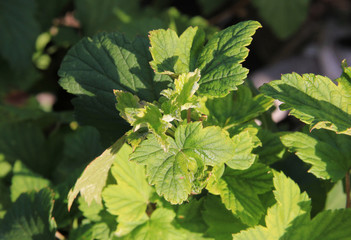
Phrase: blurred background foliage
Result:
[39,137]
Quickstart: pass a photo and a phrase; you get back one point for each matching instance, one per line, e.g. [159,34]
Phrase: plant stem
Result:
[347,186]
[188,115]
[58,235]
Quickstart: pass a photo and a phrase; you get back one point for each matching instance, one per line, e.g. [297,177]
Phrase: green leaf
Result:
[107,16]
[182,97]
[24,180]
[239,191]
[29,218]
[92,211]
[79,148]
[130,196]
[288,213]
[93,179]
[18,27]
[314,99]
[221,58]
[175,55]
[25,142]
[283,16]
[237,107]
[222,223]
[327,225]
[174,172]
[96,66]
[328,153]
[244,143]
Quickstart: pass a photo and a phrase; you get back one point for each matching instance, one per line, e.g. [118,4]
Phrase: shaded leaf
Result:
[328,153]
[18,27]
[222,223]
[283,16]
[96,66]
[29,218]
[24,180]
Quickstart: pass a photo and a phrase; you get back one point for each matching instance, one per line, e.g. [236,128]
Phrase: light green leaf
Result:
[336,197]
[93,179]
[328,153]
[182,97]
[24,180]
[237,107]
[289,212]
[221,58]
[239,191]
[222,223]
[157,227]
[92,211]
[175,55]
[18,27]
[314,99]
[174,172]
[29,218]
[5,167]
[130,197]
[96,66]
[327,225]
[142,114]
[244,143]
[283,16]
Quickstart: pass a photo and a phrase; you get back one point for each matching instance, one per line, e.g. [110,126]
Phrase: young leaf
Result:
[315,99]
[29,217]
[288,213]
[222,223]
[130,197]
[182,97]
[237,107]
[239,191]
[328,153]
[93,179]
[221,58]
[175,55]
[173,172]
[24,180]
[96,66]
